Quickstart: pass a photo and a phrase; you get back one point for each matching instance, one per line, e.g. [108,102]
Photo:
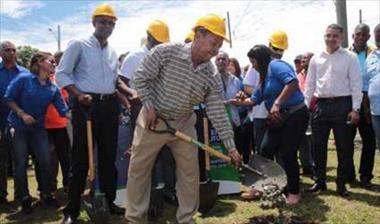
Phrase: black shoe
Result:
[342,190]
[26,206]
[50,202]
[116,210]
[3,200]
[69,220]
[366,184]
[171,198]
[317,187]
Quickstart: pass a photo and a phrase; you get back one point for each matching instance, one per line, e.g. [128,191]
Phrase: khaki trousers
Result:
[145,148]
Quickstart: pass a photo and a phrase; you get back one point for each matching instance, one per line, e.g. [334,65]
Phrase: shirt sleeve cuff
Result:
[229,144]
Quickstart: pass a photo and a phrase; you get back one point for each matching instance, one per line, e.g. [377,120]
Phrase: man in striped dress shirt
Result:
[171,80]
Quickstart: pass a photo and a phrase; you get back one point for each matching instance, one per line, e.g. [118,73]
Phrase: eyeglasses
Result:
[106,22]
[221,59]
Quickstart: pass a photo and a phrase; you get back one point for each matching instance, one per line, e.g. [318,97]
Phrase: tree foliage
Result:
[24,54]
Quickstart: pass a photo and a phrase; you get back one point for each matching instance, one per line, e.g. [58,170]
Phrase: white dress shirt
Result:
[334,75]
[131,62]
[91,68]
[252,79]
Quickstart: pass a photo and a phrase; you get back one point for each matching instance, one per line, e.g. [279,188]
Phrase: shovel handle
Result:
[90,148]
[206,141]
[207,148]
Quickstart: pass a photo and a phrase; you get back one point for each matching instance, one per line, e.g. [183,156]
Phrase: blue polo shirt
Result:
[6,76]
[279,74]
[32,97]
[371,81]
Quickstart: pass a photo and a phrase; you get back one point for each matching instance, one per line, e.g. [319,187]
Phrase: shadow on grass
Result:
[221,209]
[39,215]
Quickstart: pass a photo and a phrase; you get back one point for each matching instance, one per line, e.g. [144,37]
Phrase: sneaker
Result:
[26,206]
[293,199]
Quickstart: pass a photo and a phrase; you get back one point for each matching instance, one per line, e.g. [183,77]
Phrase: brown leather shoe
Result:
[252,194]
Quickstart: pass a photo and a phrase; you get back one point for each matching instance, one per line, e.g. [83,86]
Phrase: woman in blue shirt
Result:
[288,117]
[28,96]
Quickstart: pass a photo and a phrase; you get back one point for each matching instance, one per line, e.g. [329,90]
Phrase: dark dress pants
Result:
[368,150]
[105,120]
[332,114]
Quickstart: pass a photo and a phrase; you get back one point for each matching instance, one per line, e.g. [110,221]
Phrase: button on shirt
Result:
[88,66]
[6,76]
[334,75]
[279,74]
[168,82]
[33,98]
[371,81]
[131,63]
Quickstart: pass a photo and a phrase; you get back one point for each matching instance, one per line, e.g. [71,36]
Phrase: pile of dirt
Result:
[271,219]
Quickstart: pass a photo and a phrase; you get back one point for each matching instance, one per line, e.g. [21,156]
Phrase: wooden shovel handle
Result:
[90,148]
[206,141]
[207,148]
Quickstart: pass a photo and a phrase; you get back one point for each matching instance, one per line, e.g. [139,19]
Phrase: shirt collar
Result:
[94,40]
[17,67]
[186,52]
[339,50]
[35,77]
[352,48]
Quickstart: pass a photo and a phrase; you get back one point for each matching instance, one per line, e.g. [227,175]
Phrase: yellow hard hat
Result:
[159,30]
[189,37]
[279,40]
[213,23]
[104,10]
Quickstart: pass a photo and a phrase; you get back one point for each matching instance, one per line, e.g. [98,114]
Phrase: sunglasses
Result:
[106,22]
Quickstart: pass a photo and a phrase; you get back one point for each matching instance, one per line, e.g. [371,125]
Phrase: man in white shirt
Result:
[334,78]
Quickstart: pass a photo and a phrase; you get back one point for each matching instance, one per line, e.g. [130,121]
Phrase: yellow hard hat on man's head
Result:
[213,23]
[104,10]
[189,37]
[159,31]
[279,40]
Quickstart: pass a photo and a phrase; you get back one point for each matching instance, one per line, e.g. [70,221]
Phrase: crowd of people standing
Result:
[273,109]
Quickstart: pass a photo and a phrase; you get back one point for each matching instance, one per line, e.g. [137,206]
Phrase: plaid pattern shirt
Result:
[168,82]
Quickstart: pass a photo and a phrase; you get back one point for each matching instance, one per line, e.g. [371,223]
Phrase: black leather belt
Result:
[98,96]
[334,99]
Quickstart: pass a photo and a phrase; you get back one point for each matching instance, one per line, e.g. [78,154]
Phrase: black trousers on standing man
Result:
[104,116]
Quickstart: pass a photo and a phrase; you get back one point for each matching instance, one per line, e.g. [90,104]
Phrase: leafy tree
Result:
[24,54]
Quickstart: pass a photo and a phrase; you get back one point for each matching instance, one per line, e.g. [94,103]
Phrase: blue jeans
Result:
[259,129]
[376,128]
[35,139]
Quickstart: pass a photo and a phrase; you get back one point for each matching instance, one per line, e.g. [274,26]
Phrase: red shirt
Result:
[53,119]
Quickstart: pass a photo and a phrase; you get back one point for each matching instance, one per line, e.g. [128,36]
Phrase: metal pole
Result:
[341,15]
[59,37]
[229,28]
[360,16]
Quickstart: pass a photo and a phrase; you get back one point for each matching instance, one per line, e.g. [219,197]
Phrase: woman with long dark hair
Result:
[288,115]
[28,96]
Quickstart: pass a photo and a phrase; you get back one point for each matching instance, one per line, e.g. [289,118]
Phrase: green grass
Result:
[361,207]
